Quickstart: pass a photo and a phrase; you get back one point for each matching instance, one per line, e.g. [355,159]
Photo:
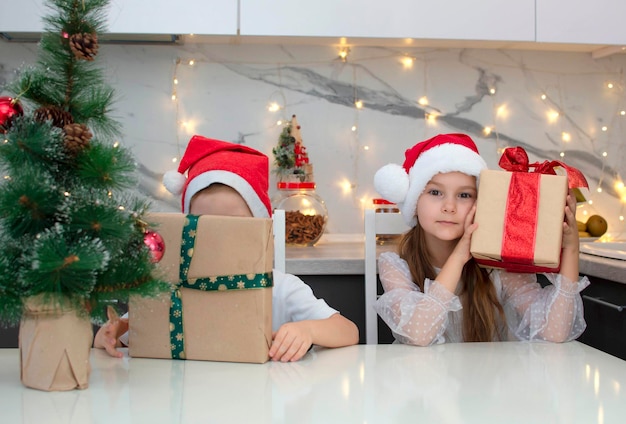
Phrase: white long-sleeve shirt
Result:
[436,316]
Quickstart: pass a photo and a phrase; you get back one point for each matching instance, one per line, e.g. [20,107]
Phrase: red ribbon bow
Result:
[515,159]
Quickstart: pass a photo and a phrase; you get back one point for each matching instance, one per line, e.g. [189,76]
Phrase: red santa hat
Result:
[208,161]
[443,153]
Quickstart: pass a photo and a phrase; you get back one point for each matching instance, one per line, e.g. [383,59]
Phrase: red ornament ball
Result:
[156,244]
[9,108]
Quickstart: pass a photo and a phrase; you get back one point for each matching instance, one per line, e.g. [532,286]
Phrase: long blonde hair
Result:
[481,308]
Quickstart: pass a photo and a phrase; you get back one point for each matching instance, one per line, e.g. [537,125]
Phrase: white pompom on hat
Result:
[207,161]
[443,153]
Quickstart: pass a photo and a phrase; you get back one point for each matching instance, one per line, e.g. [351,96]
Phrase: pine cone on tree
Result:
[84,45]
[77,137]
[59,117]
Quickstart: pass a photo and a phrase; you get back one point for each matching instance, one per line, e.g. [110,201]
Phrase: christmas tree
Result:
[290,157]
[69,226]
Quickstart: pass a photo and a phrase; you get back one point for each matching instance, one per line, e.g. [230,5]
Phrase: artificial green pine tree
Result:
[68,224]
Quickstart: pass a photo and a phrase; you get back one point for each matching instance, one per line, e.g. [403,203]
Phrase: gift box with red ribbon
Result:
[520,213]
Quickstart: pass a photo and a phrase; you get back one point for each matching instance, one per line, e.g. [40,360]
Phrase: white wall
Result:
[226,92]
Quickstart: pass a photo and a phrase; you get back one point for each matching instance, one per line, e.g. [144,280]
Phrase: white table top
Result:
[507,382]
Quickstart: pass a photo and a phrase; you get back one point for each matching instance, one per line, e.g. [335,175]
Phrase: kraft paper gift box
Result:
[520,221]
[221,309]
[520,213]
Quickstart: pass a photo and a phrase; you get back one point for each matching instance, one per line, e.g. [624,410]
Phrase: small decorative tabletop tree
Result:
[71,234]
[291,159]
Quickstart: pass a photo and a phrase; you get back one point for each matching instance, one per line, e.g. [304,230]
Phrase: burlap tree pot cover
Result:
[55,342]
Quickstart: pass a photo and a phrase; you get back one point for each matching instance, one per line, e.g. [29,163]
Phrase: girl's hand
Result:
[462,248]
[570,229]
[450,273]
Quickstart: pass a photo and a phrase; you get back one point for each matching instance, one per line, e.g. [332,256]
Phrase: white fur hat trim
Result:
[174,182]
[238,183]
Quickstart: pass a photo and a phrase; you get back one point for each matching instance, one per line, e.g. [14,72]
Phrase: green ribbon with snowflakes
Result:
[221,282]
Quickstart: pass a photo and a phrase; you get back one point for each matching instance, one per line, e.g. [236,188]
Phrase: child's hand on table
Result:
[108,335]
[291,341]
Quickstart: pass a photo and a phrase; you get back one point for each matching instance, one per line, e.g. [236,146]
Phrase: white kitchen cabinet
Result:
[214,17]
[581,21]
[512,20]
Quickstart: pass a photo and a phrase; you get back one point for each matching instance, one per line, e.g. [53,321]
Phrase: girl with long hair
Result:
[435,292]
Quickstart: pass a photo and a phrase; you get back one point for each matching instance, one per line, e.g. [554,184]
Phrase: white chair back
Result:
[376,223]
[279,239]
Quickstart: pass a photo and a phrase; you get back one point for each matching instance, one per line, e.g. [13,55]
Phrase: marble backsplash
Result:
[557,105]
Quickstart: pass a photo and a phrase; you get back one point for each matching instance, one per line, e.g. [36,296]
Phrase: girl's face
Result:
[444,204]
[219,199]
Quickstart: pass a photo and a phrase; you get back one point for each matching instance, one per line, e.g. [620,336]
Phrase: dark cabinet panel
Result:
[346,293]
[605,313]
[8,337]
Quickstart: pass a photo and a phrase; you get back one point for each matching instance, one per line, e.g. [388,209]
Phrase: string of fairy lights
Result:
[554,115]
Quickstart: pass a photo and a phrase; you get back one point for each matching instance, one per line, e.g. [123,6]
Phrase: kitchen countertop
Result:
[344,254]
[502,382]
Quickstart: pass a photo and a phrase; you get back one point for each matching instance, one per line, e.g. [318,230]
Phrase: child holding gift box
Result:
[232,180]
[435,292]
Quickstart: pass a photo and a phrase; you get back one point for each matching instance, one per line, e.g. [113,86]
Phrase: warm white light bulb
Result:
[604,128]
[562,154]
[599,189]
[492,91]
[502,111]
[487,130]
[174,159]
[610,85]
[358,104]
[353,127]
[423,101]
[346,186]
[343,53]
[553,115]
[565,136]
[173,96]
[407,62]
[431,118]
[273,107]
[192,62]
[543,97]
[175,80]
